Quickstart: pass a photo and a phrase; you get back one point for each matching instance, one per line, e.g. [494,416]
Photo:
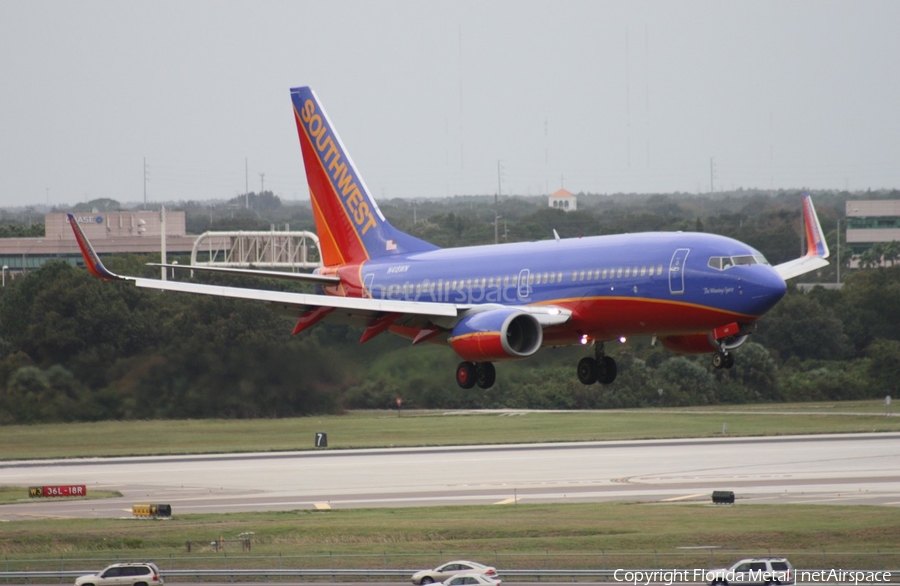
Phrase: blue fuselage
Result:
[648,283]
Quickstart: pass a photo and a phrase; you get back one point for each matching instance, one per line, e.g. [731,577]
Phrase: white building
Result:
[563,200]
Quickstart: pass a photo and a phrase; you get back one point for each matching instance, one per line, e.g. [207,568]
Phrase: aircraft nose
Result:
[765,289]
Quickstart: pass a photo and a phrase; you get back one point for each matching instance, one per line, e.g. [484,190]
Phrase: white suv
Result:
[755,571]
[133,574]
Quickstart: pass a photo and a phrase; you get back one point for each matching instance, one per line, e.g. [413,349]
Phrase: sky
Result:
[442,98]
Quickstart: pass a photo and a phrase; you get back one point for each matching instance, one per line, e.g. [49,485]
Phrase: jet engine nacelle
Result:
[496,334]
[700,343]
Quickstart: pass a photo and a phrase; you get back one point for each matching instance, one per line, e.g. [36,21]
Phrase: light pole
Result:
[5,268]
[838,252]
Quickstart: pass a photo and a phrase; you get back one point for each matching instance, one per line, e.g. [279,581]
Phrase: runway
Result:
[828,469]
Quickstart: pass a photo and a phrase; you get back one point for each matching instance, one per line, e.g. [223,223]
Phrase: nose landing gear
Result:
[723,359]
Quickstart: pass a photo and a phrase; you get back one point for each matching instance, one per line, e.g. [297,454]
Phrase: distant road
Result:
[831,469]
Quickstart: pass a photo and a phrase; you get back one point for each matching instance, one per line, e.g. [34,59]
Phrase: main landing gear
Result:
[601,368]
[469,374]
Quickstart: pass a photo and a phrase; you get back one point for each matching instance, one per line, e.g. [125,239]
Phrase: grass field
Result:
[513,536]
[369,429]
[591,535]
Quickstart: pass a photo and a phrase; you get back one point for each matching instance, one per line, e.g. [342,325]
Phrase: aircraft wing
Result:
[313,307]
[306,277]
[800,266]
[816,247]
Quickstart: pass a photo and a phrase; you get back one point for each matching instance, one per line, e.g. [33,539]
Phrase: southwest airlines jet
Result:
[695,293]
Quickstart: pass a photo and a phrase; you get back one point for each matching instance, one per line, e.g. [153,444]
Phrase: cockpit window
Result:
[720,263]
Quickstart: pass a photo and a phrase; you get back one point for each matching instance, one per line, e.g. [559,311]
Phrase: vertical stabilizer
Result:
[350,226]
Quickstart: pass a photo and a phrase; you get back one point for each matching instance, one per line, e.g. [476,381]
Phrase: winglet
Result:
[815,240]
[91,260]
[816,247]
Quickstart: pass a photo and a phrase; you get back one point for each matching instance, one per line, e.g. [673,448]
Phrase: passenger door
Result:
[524,289]
[676,271]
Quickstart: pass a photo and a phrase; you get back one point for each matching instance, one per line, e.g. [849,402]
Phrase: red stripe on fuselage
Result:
[606,318]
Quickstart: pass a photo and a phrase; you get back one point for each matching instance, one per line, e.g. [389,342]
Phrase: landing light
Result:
[622,339]
[585,339]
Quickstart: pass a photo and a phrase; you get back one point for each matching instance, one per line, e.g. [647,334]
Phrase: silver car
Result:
[471,579]
[753,572]
[128,574]
[444,571]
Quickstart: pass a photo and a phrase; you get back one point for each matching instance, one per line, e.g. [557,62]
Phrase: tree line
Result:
[73,348]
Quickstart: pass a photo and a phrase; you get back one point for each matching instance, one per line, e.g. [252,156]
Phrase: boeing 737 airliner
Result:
[694,292]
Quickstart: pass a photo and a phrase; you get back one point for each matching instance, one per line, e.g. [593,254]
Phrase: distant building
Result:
[141,233]
[109,232]
[563,200]
[870,222]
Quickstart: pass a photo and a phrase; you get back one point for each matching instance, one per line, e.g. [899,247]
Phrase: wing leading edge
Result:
[312,307]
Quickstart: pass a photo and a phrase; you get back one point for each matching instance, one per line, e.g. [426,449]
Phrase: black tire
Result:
[587,370]
[465,378]
[719,360]
[485,374]
[607,371]
[729,362]
[428,579]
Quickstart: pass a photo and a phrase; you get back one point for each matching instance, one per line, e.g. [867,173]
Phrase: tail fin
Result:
[351,228]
